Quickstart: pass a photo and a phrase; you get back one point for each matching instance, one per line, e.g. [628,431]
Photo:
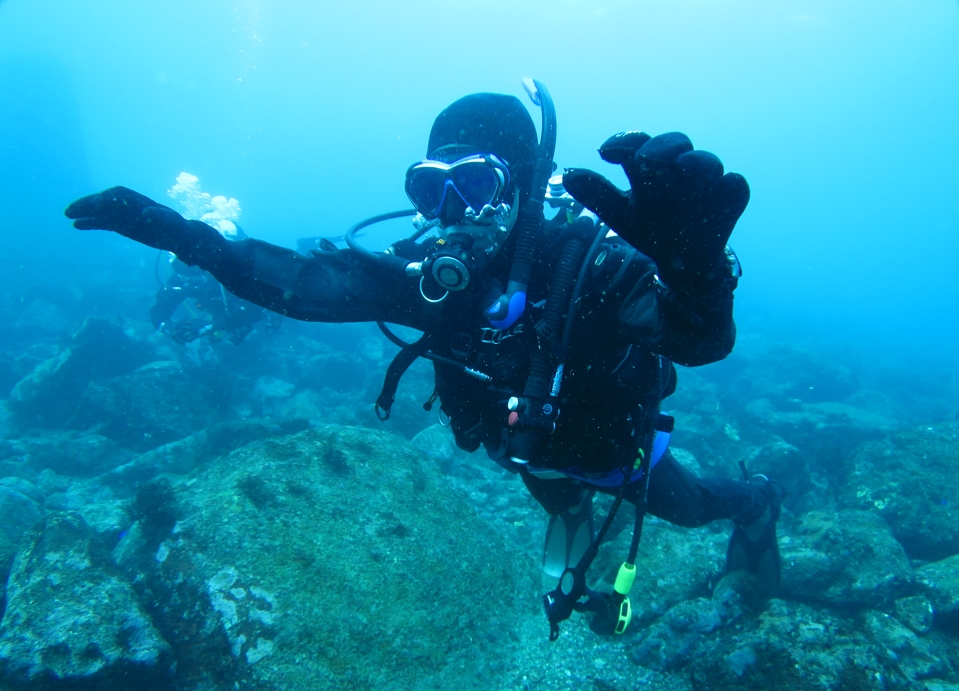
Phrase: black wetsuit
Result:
[628,332]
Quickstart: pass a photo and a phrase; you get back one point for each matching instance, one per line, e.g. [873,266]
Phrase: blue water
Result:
[840,115]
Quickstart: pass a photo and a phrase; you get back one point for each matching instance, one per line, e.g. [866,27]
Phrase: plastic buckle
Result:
[624,617]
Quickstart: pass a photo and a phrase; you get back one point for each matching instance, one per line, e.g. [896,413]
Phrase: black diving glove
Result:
[680,210]
[141,219]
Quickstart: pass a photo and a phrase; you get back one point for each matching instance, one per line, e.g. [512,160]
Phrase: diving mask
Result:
[479,181]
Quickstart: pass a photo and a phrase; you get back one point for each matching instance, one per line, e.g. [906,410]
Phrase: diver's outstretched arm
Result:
[341,286]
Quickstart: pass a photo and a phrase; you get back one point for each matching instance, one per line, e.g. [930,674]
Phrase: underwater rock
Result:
[916,612]
[916,658]
[705,426]
[23,486]
[8,374]
[334,558]
[52,392]
[72,620]
[183,455]
[151,406]
[437,443]
[18,513]
[797,647]
[336,370]
[268,390]
[847,558]
[670,643]
[910,480]
[74,454]
[940,581]
[828,432]
[97,504]
[6,420]
[782,372]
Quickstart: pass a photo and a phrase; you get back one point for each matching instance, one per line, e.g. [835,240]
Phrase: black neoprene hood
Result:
[488,123]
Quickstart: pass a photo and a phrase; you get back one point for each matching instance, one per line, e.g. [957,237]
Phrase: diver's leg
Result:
[570,529]
[678,496]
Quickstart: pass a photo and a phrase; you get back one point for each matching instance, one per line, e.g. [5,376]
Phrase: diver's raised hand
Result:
[134,216]
[680,209]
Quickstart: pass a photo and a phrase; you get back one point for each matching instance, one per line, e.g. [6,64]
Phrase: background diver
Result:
[191,304]
[525,317]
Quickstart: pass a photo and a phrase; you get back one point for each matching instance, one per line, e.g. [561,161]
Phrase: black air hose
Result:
[557,302]
[527,239]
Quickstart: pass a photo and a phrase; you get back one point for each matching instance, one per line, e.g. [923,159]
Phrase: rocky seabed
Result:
[213,517]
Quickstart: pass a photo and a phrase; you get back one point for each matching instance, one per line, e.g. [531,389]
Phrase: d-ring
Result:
[422,278]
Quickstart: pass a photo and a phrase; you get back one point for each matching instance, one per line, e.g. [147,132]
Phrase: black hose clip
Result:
[568,597]
[561,602]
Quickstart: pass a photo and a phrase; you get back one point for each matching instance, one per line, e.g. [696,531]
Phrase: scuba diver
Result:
[191,304]
[552,341]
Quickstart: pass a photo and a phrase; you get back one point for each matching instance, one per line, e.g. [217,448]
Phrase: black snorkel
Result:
[507,310]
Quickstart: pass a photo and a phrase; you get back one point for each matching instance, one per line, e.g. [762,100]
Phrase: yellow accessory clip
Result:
[624,582]
[639,459]
[625,614]
[625,578]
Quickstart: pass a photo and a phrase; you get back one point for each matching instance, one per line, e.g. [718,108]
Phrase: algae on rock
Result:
[333,558]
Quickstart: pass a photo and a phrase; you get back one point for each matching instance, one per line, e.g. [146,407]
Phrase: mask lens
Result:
[477,183]
[426,188]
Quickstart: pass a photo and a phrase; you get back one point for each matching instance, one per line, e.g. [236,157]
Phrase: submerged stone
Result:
[52,392]
[18,513]
[916,612]
[910,480]
[75,454]
[72,619]
[940,580]
[334,558]
[845,558]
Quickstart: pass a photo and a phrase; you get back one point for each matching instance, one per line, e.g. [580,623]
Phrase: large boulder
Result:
[154,405]
[801,648]
[910,480]
[52,392]
[72,619]
[940,580]
[829,432]
[184,455]
[333,558]
[96,503]
[18,512]
[724,643]
[760,368]
[915,656]
[337,370]
[846,559]
[74,454]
